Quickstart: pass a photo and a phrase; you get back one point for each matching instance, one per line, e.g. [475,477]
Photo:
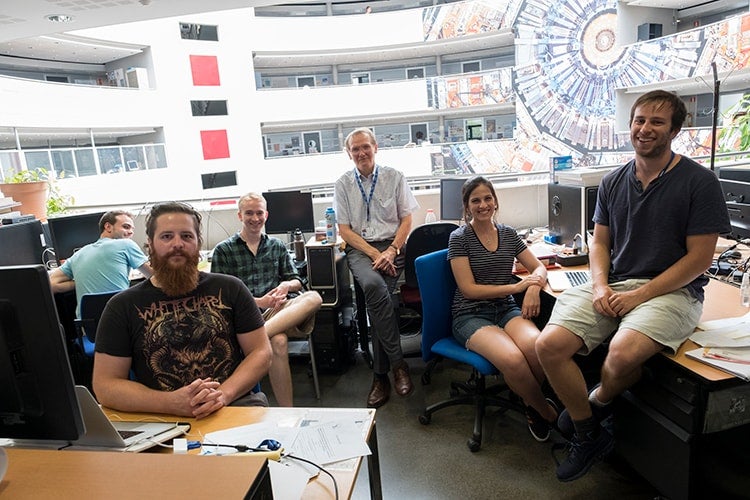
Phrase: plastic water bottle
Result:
[430,217]
[331,225]
[745,289]
[299,246]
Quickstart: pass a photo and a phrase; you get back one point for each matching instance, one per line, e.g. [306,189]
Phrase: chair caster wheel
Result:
[473,445]
[425,419]
[426,379]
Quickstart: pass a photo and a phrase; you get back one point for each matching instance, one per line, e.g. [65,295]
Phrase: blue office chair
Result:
[436,287]
[91,308]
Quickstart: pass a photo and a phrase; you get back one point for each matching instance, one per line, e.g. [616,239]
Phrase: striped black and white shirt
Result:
[488,268]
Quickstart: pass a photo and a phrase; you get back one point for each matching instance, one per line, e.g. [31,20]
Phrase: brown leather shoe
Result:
[402,380]
[379,392]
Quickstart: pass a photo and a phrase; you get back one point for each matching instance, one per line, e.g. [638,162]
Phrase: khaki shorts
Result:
[668,319]
[299,331]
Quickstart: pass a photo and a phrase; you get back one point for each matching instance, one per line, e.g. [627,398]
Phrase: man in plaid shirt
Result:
[265,266]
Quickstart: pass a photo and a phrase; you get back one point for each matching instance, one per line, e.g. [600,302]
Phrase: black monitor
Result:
[289,210]
[72,232]
[451,205]
[22,243]
[37,392]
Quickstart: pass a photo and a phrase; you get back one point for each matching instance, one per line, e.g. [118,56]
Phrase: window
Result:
[208,108]
[414,73]
[191,31]
[305,81]
[470,66]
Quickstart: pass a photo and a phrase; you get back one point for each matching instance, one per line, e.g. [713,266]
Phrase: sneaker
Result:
[538,426]
[583,454]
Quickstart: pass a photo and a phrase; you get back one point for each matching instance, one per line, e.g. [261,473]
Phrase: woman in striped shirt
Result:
[486,317]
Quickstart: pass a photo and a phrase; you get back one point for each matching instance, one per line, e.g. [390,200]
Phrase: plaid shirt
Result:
[260,273]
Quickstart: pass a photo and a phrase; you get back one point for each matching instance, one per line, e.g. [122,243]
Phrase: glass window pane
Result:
[10,163]
[62,160]
[155,156]
[85,162]
[37,159]
[134,158]
[110,160]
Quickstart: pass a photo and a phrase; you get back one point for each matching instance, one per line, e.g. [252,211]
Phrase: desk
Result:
[113,475]
[232,416]
[680,425]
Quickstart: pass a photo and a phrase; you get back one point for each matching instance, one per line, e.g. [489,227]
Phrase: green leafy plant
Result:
[57,201]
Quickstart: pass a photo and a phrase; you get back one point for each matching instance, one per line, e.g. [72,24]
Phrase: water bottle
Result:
[745,289]
[299,246]
[430,217]
[330,225]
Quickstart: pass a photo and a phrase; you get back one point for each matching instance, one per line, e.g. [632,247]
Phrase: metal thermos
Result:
[299,246]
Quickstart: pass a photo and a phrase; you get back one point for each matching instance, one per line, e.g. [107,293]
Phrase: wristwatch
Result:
[398,250]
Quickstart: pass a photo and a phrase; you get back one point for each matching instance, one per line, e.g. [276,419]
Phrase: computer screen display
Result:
[72,232]
[289,210]
[37,393]
[22,243]
[451,205]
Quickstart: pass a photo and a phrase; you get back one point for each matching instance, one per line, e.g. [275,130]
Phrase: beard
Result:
[176,279]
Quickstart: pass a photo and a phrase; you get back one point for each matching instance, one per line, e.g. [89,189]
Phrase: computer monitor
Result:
[22,243]
[289,210]
[451,205]
[37,392]
[72,232]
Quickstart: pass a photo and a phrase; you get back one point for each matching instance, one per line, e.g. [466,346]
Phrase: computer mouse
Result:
[734,254]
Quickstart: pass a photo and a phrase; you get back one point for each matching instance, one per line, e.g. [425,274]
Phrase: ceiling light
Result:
[59,18]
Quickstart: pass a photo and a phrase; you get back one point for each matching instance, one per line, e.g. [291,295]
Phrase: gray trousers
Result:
[377,287]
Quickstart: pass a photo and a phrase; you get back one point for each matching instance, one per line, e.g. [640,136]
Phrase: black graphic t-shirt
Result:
[174,340]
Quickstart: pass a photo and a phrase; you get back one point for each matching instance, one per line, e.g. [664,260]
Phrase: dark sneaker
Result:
[583,454]
[538,426]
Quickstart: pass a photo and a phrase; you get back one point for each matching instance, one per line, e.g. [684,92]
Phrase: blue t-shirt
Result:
[103,266]
[649,228]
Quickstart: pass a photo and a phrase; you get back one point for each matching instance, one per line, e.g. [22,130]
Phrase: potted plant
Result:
[37,192]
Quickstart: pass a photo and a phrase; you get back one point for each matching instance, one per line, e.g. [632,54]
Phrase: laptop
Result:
[106,435]
[562,280]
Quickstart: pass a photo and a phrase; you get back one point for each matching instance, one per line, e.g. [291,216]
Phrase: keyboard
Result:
[127,434]
[562,280]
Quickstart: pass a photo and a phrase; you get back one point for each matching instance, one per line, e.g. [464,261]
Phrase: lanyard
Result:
[365,198]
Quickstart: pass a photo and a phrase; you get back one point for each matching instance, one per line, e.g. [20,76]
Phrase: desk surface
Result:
[232,416]
[112,475]
[722,301]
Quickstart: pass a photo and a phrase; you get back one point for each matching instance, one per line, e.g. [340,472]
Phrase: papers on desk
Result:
[725,345]
[334,439]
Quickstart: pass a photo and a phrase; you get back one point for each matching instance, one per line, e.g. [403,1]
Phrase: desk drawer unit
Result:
[680,432]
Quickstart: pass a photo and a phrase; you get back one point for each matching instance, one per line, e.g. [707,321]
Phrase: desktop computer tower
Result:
[328,274]
[571,211]
[334,336]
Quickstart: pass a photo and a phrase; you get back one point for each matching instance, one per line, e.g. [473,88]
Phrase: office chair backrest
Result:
[92,306]
[436,286]
[423,240]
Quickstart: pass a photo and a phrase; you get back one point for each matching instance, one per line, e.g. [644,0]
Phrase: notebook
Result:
[562,280]
[103,434]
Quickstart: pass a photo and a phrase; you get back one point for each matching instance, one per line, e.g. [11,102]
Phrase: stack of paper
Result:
[725,345]
[581,176]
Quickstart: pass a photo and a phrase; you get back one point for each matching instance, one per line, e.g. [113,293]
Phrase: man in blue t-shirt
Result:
[105,265]
[657,220]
